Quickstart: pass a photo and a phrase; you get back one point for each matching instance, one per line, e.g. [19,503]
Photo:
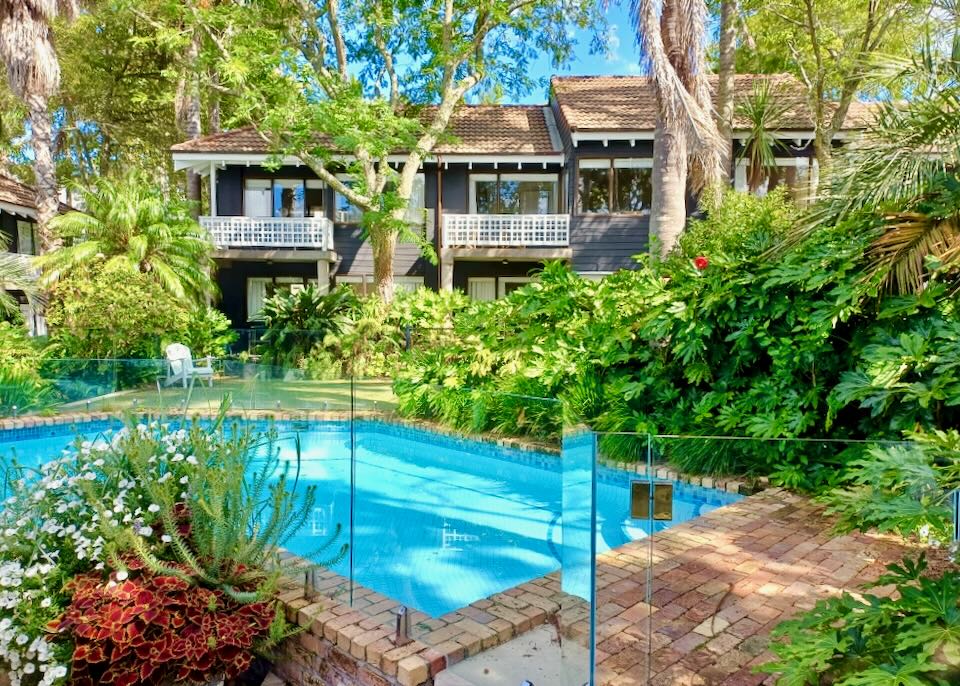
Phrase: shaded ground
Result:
[248,394]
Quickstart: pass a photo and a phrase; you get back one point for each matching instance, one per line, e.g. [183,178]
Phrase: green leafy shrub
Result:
[110,312]
[743,226]
[909,637]
[21,385]
[799,343]
[296,321]
[208,332]
[375,342]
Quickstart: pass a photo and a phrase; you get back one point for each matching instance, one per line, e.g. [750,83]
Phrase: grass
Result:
[247,394]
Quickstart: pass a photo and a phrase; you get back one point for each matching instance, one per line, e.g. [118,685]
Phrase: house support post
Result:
[446,271]
[323,276]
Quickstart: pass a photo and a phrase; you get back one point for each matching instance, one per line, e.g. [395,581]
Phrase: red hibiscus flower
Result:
[701,262]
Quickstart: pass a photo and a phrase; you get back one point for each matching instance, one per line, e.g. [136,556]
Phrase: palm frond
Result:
[900,252]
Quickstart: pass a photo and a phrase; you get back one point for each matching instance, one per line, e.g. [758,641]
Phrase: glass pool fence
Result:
[495,514]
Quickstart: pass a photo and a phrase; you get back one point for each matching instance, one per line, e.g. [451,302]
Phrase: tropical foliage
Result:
[907,637]
[739,343]
[17,274]
[169,530]
[130,226]
[296,321]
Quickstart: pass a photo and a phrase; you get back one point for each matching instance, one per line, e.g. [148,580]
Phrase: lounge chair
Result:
[180,366]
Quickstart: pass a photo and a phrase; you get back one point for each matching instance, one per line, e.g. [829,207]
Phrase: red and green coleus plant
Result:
[137,626]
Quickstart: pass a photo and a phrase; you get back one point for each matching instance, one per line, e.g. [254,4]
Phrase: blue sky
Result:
[623,55]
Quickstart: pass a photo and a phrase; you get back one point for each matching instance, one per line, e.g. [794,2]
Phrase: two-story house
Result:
[18,234]
[517,185]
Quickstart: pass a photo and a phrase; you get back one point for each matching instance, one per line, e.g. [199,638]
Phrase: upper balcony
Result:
[506,230]
[315,233]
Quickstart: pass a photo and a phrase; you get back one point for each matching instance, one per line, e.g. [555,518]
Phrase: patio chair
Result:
[180,366]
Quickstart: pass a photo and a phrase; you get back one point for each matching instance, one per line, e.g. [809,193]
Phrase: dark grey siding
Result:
[607,243]
[463,270]
[456,196]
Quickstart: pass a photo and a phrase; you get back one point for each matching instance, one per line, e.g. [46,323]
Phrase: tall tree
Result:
[33,73]
[686,142]
[829,45]
[345,85]
[128,224]
[729,19]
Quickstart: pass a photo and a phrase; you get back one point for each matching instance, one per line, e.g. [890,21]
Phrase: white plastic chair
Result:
[180,366]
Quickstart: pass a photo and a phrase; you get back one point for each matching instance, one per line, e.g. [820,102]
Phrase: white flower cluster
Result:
[54,517]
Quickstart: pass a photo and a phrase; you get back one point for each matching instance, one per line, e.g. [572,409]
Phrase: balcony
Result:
[270,232]
[506,230]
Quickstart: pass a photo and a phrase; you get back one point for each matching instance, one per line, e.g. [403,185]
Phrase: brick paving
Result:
[721,583]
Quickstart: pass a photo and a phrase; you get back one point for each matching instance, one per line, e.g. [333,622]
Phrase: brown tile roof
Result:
[475,129]
[628,103]
[14,192]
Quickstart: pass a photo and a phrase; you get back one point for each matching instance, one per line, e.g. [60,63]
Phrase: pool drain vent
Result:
[402,637]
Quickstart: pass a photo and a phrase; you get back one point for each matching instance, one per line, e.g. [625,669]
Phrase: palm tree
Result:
[33,72]
[686,141]
[763,111]
[129,224]
[16,274]
[905,173]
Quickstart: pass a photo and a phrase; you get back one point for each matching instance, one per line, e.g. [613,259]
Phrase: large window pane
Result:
[344,210]
[485,195]
[314,197]
[288,198]
[256,197]
[418,201]
[537,197]
[633,190]
[595,186]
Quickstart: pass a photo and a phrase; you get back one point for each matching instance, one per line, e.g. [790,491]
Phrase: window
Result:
[632,186]
[796,173]
[256,198]
[514,193]
[344,210]
[508,284]
[313,196]
[288,198]
[283,197]
[620,186]
[595,186]
[262,287]
[482,287]
[26,237]
[364,284]
[418,201]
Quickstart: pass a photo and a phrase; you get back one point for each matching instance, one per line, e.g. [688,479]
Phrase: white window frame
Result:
[504,280]
[512,176]
[347,180]
[482,280]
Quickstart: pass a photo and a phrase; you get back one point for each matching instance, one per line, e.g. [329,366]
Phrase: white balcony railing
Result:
[506,230]
[270,232]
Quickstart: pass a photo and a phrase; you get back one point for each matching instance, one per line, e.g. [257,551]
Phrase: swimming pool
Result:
[439,522]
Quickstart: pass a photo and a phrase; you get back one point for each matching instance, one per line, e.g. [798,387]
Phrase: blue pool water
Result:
[438,522]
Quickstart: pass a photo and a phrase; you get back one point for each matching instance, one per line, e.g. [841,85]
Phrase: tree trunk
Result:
[188,115]
[384,244]
[725,85]
[668,213]
[44,169]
